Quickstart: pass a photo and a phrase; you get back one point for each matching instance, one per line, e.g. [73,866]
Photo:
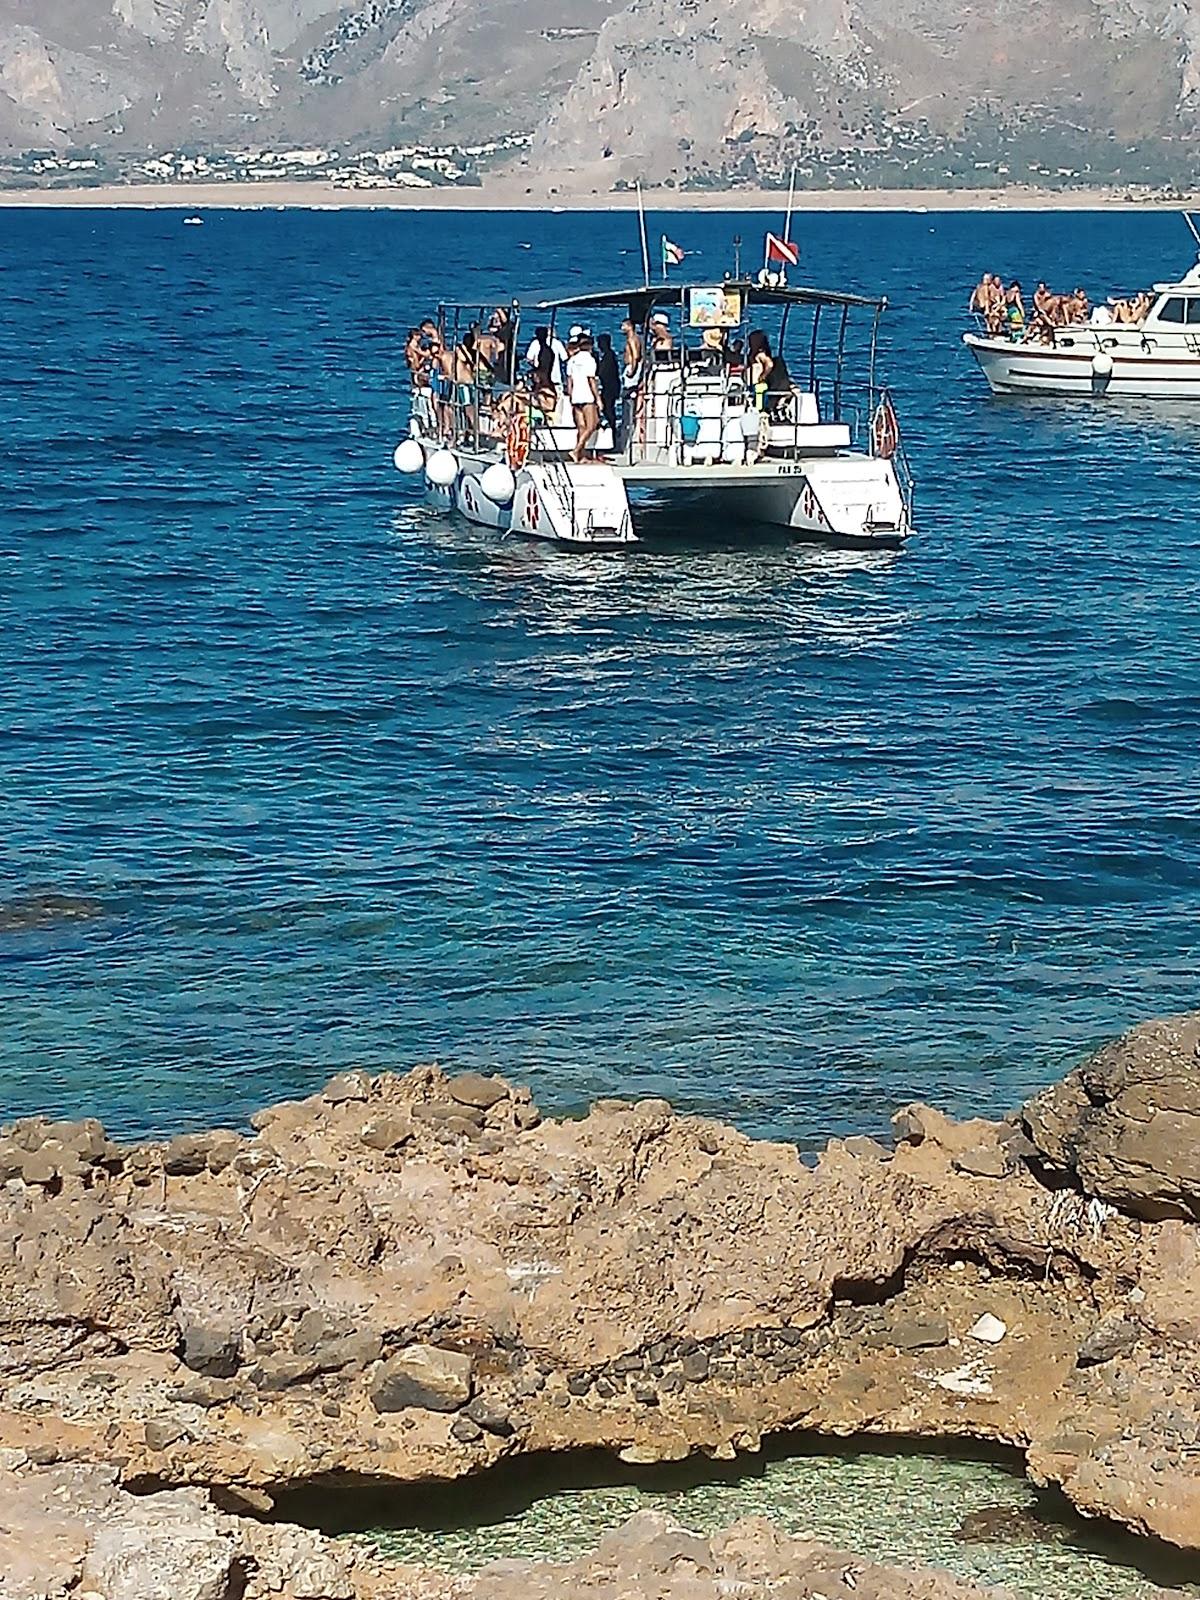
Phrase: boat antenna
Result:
[1187,217]
[645,241]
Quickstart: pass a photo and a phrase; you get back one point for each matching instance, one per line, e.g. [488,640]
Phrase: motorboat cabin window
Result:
[1174,309]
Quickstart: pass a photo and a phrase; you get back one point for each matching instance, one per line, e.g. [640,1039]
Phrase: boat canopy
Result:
[644,298]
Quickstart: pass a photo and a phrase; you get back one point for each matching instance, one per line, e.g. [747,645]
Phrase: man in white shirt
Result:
[583,391]
[557,349]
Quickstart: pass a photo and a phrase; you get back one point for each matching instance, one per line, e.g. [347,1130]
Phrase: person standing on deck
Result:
[631,376]
[608,374]
[583,390]
[542,340]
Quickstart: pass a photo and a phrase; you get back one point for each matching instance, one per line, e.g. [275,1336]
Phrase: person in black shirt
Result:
[608,374]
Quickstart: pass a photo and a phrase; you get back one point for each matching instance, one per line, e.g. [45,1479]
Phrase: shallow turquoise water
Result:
[979,1520]
[787,836]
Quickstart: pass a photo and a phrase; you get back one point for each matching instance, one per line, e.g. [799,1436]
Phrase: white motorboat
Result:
[1157,357]
[691,430]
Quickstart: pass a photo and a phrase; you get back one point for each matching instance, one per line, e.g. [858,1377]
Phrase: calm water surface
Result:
[978,1519]
[786,835]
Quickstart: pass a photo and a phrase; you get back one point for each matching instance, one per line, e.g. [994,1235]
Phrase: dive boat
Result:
[1157,357]
[692,431]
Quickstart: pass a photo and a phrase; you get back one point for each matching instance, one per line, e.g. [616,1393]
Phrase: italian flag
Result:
[671,253]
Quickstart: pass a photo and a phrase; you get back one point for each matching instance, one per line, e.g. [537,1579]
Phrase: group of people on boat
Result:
[1004,312]
[602,388]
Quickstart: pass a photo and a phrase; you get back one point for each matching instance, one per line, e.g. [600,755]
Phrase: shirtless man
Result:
[465,367]
[442,382]
[987,298]
[981,296]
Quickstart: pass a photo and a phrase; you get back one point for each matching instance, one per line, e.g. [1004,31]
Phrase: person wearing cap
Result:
[583,391]
[712,355]
[662,343]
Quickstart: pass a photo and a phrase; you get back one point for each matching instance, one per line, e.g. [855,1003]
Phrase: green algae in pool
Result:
[979,1519]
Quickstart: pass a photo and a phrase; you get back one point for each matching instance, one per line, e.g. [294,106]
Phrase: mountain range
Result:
[684,92]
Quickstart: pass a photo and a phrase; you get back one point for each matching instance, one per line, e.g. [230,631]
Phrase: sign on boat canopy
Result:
[715,307]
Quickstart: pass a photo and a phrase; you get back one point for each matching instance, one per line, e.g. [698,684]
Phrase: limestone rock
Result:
[191,1153]
[387,1131]
[423,1377]
[347,1086]
[1126,1124]
[984,1161]
[473,1089]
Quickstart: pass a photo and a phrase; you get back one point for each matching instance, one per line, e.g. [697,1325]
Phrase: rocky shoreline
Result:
[415,1278]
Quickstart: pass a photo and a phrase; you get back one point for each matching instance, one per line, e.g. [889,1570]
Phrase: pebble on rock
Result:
[988,1329]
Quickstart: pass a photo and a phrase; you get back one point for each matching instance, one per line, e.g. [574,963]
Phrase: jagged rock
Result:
[492,1419]
[466,1430]
[346,1086]
[436,1111]
[85,1138]
[161,1434]
[49,1164]
[984,1161]
[205,1392]
[214,1352]
[424,1377]
[387,1131]
[918,1333]
[473,1089]
[1109,1339]
[1126,1124]
[284,1372]
[865,1148]
[191,1153]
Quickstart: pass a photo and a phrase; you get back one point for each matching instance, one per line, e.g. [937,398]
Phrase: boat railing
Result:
[887,442]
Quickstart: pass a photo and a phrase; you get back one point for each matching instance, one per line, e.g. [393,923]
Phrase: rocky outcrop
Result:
[417,1277]
[1125,1126]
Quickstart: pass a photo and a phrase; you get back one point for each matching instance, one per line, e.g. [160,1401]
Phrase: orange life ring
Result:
[516,441]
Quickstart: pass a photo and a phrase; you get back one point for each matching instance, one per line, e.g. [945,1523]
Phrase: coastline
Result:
[407,1279]
[514,194]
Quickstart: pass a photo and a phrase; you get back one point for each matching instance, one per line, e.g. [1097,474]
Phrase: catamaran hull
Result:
[1100,365]
[843,500]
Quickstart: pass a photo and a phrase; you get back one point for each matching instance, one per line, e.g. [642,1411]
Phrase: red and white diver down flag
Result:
[782,250]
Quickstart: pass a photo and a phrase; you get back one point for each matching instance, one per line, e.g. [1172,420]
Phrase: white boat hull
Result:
[845,498]
[1104,363]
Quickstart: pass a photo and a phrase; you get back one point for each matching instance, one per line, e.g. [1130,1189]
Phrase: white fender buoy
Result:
[1102,364]
[442,468]
[408,456]
[498,483]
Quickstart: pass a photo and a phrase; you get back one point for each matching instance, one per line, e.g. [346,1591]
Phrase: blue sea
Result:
[298,775]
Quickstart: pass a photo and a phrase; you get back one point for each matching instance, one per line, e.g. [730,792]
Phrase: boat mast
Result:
[787,221]
[787,227]
[645,241]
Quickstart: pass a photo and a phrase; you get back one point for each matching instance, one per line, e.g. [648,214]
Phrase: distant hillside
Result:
[691,92]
